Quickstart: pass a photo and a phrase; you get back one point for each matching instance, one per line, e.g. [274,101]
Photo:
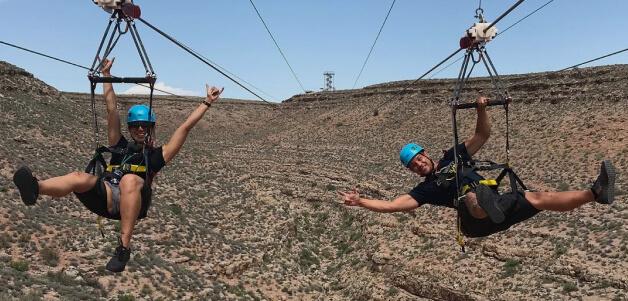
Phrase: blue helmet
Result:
[408,152]
[140,113]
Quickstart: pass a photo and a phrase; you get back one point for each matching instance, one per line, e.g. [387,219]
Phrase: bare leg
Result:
[130,204]
[64,185]
[474,208]
[559,201]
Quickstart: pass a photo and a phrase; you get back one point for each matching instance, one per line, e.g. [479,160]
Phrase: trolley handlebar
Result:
[475,104]
[129,80]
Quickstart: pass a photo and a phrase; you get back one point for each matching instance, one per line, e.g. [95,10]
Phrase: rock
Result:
[71,272]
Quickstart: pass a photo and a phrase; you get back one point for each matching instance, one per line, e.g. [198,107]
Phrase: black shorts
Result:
[95,200]
[473,227]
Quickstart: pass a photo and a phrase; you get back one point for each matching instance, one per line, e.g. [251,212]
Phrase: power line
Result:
[277,44]
[374,42]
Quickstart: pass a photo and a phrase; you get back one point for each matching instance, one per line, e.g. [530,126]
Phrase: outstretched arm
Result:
[173,146]
[482,129]
[402,203]
[113,119]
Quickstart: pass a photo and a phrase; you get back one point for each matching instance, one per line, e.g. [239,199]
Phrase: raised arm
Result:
[401,203]
[113,118]
[482,129]
[175,143]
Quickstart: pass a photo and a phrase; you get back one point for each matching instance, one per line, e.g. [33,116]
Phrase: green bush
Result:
[19,265]
[569,287]
[176,209]
[511,267]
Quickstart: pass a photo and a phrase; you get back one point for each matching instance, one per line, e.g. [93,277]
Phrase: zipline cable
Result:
[442,62]
[84,67]
[530,14]
[277,44]
[406,86]
[227,71]
[443,69]
[373,46]
[193,53]
[503,15]
[499,33]
[571,67]
[44,55]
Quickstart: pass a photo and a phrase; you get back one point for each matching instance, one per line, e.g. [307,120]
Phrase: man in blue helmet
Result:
[483,211]
[123,192]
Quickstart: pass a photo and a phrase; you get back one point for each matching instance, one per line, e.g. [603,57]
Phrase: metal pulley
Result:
[479,33]
[126,6]
[111,4]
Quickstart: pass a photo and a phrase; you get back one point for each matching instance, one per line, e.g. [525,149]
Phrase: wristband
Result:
[208,104]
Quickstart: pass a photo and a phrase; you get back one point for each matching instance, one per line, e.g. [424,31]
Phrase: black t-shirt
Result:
[155,157]
[443,193]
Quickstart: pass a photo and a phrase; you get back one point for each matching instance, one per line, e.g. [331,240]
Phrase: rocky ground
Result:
[249,209]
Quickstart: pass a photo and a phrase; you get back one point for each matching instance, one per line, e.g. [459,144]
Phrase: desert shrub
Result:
[19,265]
[511,267]
[569,287]
[50,256]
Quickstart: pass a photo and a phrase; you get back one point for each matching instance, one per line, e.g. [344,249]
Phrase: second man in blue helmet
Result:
[483,211]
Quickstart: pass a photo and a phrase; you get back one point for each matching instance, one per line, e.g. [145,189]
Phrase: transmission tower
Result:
[329,81]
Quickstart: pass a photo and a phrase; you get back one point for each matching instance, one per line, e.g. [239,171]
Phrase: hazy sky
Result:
[316,36]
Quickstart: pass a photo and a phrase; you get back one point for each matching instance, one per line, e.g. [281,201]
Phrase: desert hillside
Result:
[249,209]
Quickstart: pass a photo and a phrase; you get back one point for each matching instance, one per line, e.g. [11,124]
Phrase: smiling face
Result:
[139,130]
[421,164]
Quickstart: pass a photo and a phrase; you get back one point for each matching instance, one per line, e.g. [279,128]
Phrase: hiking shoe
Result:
[27,185]
[604,186]
[117,263]
[488,199]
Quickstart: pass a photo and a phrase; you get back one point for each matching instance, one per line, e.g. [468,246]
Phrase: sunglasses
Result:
[143,124]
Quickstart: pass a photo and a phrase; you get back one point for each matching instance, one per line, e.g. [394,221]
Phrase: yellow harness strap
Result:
[100,226]
[487,182]
[129,167]
[459,236]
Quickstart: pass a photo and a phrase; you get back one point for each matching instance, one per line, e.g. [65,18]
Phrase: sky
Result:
[316,36]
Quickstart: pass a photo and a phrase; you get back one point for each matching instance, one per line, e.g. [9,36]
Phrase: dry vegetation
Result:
[249,210]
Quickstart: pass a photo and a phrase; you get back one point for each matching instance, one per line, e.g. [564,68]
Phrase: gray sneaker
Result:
[604,186]
[488,199]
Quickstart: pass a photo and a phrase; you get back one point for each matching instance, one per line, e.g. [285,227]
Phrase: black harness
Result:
[99,167]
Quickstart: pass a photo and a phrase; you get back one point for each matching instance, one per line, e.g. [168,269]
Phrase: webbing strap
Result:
[128,167]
